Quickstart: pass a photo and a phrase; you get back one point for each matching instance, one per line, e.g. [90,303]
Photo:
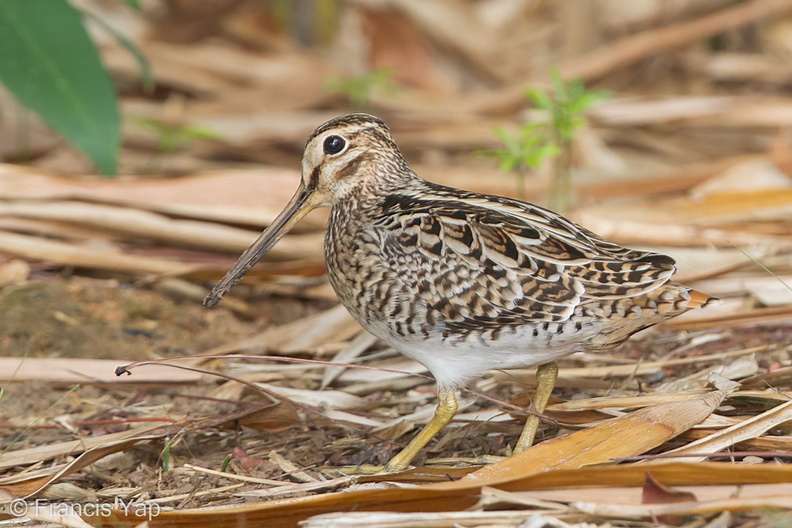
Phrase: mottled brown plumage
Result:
[465,282]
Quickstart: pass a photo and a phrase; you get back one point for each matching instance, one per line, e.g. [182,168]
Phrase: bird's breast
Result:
[356,269]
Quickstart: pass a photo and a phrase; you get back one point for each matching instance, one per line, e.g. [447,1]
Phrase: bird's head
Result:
[345,156]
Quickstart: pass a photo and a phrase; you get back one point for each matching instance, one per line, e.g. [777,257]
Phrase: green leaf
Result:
[195,132]
[510,142]
[165,456]
[534,128]
[134,4]
[50,64]
[540,99]
[508,164]
[548,151]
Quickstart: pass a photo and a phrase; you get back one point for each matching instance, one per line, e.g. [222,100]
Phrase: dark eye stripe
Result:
[351,167]
[313,180]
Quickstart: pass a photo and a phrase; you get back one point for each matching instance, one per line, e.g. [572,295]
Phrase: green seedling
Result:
[358,90]
[525,152]
[552,138]
[165,457]
[171,136]
[566,105]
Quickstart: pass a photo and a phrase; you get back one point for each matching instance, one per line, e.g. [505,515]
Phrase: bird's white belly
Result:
[453,363]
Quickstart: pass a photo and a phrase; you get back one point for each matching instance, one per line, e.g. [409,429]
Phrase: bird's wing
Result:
[483,261]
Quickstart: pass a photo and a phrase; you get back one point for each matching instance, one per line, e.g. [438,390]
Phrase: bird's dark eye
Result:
[334,144]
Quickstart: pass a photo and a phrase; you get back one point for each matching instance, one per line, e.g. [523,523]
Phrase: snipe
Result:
[464,282]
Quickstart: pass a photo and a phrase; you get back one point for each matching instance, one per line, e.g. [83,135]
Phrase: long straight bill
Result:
[298,207]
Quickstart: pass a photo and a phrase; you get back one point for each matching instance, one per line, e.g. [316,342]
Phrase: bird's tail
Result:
[701,300]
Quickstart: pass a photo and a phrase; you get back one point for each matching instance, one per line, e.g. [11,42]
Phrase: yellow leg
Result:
[446,409]
[546,376]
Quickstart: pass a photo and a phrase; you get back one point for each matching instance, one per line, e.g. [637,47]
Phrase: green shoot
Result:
[566,105]
[173,136]
[552,138]
[165,457]
[527,151]
[359,90]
